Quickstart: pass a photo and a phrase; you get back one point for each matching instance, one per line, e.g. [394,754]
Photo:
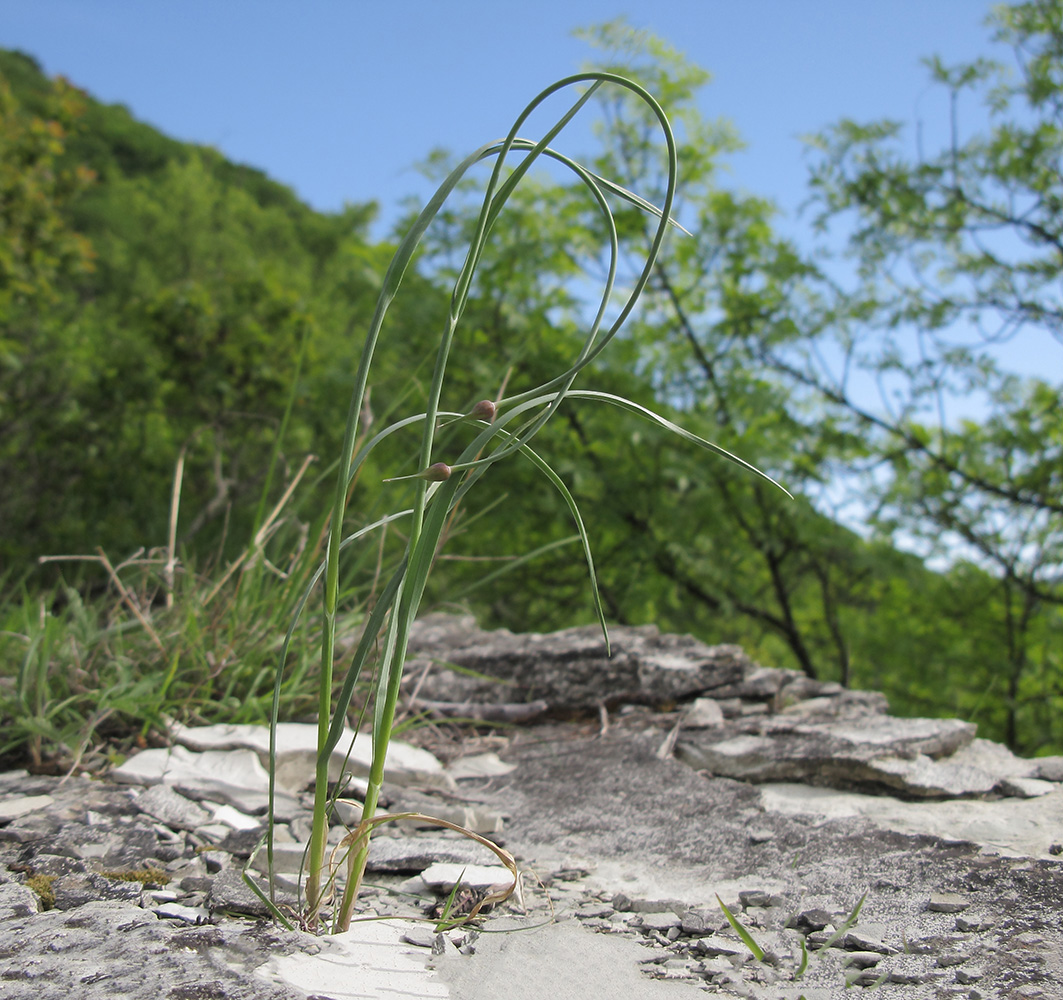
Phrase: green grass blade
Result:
[627,404]
[848,924]
[747,938]
[515,564]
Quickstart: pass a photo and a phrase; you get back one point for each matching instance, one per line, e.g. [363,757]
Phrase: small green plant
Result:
[457,449]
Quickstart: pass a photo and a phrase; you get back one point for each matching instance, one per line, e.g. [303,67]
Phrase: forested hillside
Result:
[166,312]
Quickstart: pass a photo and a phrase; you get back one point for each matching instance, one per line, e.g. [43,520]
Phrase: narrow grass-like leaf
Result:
[444,922]
[515,564]
[747,938]
[269,903]
[848,924]
[627,404]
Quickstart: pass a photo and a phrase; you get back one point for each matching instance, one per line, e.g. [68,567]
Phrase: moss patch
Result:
[42,885]
[145,876]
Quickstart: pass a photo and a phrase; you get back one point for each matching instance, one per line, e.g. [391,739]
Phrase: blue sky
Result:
[340,99]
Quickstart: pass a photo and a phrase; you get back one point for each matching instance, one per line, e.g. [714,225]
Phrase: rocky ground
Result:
[637,792]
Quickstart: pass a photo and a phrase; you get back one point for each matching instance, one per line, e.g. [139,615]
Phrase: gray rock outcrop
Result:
[766,725]
[683,772]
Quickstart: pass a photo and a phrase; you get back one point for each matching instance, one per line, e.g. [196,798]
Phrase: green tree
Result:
[954,312]
[41,256]
[156,300]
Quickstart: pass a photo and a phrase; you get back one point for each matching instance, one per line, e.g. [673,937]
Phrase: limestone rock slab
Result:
[569,670]
[168,806]
[232,777]
[909,756]
[442,877]
[372,955]
[19,805]
[297,753]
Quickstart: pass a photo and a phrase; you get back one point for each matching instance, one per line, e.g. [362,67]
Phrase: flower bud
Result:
[437,473]
[484,410]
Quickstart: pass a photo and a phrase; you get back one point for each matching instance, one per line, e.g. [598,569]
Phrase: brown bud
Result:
[484,410]
[437,473]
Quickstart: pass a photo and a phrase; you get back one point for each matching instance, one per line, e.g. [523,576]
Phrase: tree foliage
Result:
[156,300]
[954,313]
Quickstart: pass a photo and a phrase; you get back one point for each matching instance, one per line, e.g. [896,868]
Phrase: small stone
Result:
[702,713]
[947,902]
[213,833]
[484,765]
[948,961]
[973,924]
[161,802]
[286,858]
[187,914]
[72,891]
[1030,938]
[56,864]
[419,937]
[819,939]
[755,898]
[235,819]
[698,922]
[443,877]
[760,836]
[22,804]
[1025,788]
[672,906]
[813,920]
[400,855]
[662,922]
[232,894]
[863,959]
[717,946]
[1049,768]
[970,974]
[591,911]
[17,901]
[859,940]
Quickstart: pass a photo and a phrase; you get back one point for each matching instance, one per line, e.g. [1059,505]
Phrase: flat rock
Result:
[101,950]
[1048,768]
[1026,788]
[1025,828]
[443,877]
[297,753]
[404,855]
[372,955]
[234,778]
[168,806]
[484,765]
[19,805]
[880,752]
[17,901]
[568,670]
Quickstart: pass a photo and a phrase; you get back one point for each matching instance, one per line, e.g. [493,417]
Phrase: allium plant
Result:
[502,429]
